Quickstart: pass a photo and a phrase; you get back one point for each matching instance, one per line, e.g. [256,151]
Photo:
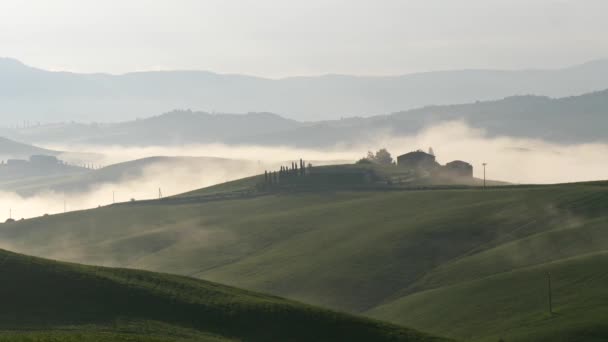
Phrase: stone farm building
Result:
[418,160]
[459,168]
[424,162]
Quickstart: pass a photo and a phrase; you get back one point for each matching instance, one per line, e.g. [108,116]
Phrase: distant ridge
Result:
[578,119]
[37,95]
[172,128]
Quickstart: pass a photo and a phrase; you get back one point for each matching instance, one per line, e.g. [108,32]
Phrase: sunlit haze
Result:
[274,38]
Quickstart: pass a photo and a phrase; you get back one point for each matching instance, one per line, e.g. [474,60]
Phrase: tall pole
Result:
[549,293]
[484,175]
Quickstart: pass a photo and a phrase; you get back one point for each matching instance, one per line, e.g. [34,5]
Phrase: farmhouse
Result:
[458,168]
[425,162]
[418,160]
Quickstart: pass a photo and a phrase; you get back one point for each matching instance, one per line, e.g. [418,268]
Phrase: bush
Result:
[382,157]
[364,161]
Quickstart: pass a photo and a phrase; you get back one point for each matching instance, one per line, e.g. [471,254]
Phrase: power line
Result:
[549,294]
[484,175]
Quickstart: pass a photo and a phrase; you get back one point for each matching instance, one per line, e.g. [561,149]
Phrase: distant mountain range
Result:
[571,119]
[29,95]
[176,127]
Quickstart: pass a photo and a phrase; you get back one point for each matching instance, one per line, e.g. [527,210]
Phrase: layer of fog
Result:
[515,160]
[169,180]
[510,159]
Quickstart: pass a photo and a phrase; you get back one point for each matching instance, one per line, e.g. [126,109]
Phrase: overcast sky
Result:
[277,38]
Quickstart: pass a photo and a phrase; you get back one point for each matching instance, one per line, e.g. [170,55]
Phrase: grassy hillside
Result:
[44,300]
[342,177]
[496,304]
[475,258]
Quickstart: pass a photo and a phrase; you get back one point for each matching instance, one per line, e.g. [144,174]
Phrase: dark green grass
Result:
[237,186]
[369,252]
[45,300]
[341,178]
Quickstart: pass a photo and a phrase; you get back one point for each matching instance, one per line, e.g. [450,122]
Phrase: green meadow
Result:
[468,263]
[44,300]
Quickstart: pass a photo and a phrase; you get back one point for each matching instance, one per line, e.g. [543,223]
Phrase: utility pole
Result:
[113,197]
[484,175]
[160,193]
[549,293]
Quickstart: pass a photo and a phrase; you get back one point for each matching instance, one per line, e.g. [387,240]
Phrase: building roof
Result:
[416,154]
[458,162]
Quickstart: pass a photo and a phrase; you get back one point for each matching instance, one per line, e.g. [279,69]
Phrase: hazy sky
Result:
[283,37]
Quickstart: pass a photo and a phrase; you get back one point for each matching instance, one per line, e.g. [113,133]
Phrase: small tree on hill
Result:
[383,157]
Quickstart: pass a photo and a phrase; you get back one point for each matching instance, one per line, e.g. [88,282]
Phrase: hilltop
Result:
[452,261]
[43,300]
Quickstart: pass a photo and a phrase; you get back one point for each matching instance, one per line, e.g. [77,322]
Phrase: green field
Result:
[44,300]
[465,263]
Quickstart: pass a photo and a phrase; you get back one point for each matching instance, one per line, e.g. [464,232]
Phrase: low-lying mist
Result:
[515,160]
[170,180]
[510,159]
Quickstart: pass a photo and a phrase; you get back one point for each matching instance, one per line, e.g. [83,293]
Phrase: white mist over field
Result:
[171,180]
[515,160]
[510,159]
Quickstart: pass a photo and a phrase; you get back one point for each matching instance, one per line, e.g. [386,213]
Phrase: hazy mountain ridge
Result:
[175,127]
[562,120]
[37,95]
[13,149]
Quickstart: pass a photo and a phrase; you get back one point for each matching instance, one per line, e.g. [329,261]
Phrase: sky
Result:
[280,38]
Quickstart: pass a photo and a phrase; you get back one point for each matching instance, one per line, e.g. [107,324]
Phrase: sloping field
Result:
[44,300]
[477,259]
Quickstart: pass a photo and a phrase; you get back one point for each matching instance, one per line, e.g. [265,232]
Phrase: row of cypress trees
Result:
[297,169]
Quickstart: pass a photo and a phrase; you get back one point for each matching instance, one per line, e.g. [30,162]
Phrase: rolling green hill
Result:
[44,300]
[466,263]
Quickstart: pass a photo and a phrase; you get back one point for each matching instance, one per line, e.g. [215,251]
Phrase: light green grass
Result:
[370,252]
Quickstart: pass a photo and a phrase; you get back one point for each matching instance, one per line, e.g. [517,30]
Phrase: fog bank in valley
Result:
[509,159]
